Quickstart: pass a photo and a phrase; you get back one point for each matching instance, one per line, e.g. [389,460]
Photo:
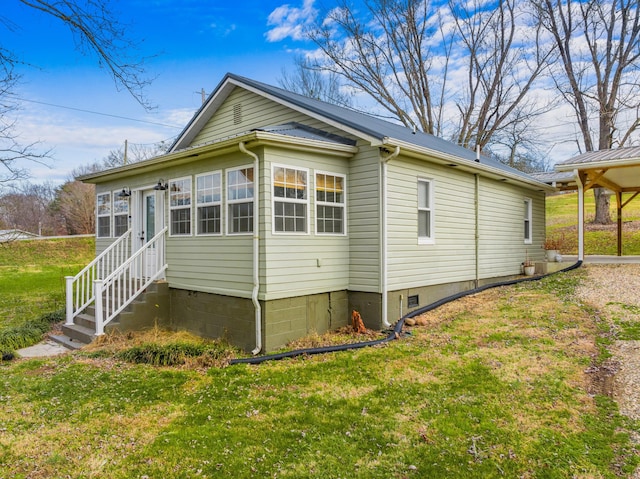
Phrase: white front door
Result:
[150,221]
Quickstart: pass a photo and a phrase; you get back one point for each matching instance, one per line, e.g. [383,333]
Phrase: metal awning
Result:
[617,170]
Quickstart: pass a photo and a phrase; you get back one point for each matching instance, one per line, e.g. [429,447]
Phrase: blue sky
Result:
[193,43]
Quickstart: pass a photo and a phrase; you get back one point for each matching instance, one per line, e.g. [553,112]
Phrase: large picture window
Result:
[209,203]
[330,203]
[290,200]
[240,200]
[180,206]
[103,205]
[120,214]
[425,212]
[528,237]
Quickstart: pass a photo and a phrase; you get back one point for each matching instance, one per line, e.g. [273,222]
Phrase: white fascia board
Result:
[202,116]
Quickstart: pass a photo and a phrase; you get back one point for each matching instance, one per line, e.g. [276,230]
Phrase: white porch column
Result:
[580,215]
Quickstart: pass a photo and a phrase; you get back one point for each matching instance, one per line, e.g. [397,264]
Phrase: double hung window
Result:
[180,206]
[120,215]
[103,205]
[240,200]
[425,212]
[528,237]
[209,203]
[330,203]
[290,200]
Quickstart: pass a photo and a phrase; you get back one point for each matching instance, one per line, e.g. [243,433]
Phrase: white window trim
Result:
[115,197]
[529,217]
[228,202]
[109,215]
[275,199]
[427,239]
[213,203]
[181,207]
[324,203]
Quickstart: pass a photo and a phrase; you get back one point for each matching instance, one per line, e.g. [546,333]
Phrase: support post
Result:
[619,211]
[69,299]
[580,215]
[97,292]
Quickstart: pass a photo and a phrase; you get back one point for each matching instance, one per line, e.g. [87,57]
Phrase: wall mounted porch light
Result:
[161,186]
[125,193]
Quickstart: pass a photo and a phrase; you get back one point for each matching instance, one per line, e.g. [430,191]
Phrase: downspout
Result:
[477,235]
[256,246]
[383,222]
[576,173]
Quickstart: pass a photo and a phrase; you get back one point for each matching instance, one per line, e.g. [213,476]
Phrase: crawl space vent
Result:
[413,301]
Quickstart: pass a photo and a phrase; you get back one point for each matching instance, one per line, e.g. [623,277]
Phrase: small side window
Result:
[528,236]
[425,212]
[103,206]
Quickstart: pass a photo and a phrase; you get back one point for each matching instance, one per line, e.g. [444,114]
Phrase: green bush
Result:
[173,354]
[26,334]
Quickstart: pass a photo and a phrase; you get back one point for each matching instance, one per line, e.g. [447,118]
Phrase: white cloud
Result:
[289,22]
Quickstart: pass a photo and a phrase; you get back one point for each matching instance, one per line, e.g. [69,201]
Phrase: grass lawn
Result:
[32,285]
[499,384]
[562,220]
[495,385]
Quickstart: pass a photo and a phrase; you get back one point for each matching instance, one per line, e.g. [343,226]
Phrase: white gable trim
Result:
[223,91]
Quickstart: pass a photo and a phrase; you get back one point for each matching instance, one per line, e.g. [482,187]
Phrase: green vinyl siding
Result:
[302,264]
[502,246]
[364,220]
[451,258]
[244,110]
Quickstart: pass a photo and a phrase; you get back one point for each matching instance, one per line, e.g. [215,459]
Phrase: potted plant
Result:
[552,247]
[528,267]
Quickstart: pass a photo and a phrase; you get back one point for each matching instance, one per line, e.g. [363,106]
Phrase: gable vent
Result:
[237,113]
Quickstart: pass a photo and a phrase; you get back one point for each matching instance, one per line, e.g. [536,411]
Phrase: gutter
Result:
[383,223]
[463,163]
[256,246]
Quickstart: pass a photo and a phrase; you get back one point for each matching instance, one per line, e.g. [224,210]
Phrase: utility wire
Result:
[99,113]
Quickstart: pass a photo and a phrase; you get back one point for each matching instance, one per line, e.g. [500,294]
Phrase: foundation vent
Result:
[413,301]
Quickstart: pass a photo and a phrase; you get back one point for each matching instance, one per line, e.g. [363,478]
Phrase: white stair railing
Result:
[122,286]
[79,288]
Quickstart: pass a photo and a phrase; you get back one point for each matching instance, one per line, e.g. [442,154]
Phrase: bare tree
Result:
[311,81]
[386,54]
[27,208]
[97,31]
[75,203]
[505,56]
[133,153]
[11,150]
[460,70]
[598,42]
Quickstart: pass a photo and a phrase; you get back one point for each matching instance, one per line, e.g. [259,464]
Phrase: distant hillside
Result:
[562,221]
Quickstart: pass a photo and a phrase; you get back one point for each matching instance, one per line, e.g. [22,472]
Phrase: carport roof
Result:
[616,169]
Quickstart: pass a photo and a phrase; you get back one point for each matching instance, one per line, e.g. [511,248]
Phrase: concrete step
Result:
[79,333]
[85,319]
[66,341]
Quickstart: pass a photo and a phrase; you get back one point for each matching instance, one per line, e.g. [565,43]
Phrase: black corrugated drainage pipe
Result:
[397,329]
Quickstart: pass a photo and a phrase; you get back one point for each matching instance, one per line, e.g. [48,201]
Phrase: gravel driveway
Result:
[615,291]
